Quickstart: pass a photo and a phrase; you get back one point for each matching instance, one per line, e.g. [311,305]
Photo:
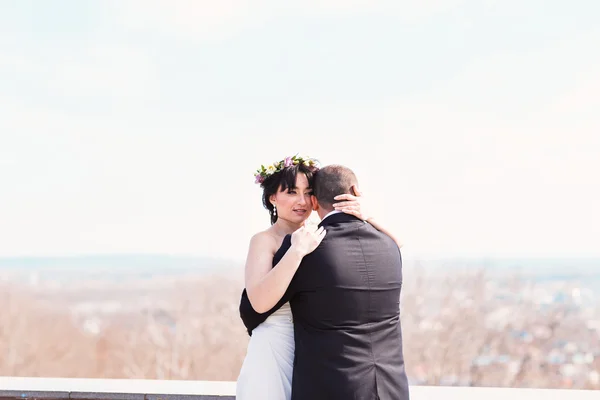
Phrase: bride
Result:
[266,373]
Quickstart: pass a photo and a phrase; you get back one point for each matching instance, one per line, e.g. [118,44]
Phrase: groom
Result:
[345,299]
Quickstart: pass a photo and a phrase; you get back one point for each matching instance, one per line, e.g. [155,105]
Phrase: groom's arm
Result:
[285,246]
[249,316]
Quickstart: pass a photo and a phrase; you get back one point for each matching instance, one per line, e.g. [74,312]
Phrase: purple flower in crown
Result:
[288,162]
[259,178]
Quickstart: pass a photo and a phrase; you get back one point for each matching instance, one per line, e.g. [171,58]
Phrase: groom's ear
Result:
[315,203]
[355,191]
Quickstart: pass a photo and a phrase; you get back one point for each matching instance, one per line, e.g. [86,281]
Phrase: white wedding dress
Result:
[266,373]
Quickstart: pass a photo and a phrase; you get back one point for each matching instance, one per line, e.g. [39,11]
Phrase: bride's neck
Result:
[284,227]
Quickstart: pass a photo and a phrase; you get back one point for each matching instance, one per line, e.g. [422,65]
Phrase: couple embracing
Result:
[322,305]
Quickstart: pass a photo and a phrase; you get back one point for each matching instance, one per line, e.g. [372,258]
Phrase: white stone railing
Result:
[139,389]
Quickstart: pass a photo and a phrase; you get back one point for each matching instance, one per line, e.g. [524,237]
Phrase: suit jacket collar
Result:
[339,218]
[330,214]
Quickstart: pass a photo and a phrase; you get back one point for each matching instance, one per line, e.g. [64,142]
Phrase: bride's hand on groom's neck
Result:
[352,203]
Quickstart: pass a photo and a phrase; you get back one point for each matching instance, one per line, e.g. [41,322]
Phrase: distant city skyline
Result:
[135,127]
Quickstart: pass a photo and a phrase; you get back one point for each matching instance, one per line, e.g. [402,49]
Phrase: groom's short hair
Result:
[333,180]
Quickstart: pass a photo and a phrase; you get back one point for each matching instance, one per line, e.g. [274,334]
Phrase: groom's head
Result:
[330,181]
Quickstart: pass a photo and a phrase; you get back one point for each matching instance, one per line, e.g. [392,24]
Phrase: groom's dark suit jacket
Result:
[345,299]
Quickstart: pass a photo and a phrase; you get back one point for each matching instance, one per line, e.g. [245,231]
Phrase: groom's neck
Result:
[324,211]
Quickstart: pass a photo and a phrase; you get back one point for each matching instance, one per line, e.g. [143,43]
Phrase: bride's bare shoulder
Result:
[264,240]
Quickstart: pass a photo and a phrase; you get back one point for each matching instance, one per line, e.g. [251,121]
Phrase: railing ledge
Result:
[12,388]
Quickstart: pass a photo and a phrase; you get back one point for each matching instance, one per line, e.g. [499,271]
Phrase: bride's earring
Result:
[274,209]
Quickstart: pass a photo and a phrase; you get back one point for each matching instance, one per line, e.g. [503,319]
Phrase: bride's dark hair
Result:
[284,180]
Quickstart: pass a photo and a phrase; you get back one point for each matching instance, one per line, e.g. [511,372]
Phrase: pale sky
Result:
[136,126]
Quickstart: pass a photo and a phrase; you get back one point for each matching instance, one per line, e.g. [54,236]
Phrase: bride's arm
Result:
[265,284]
[380,228]
[350,204]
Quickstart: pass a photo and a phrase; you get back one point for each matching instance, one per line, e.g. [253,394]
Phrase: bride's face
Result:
[294,204]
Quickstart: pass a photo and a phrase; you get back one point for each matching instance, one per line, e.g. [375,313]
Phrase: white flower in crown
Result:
[307,160]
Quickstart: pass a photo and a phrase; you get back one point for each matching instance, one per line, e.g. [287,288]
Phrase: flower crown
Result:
[264,172]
